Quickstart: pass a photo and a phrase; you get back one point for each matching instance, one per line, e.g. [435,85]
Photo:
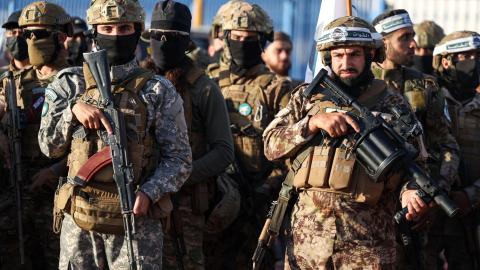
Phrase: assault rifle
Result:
[380,149]
[117,141]
[14,137]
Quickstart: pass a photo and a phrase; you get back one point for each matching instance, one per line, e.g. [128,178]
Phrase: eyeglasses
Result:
[164,36]
[37,33]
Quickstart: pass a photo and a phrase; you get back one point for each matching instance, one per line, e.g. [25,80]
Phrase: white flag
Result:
[329,11]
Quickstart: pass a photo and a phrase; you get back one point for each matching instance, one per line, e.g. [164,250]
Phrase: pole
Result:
[349,7]
[198,13]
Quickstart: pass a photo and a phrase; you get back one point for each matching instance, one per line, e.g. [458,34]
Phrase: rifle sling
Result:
[93,165]
[287,186]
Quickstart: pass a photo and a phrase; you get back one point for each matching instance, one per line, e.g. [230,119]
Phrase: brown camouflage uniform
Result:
[330,230]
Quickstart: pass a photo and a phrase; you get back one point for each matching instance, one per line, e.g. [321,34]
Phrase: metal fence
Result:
[295,17]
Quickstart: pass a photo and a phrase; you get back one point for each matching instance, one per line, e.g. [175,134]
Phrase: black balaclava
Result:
[120,49]
[462,79]
[423,63]
[17,47]
[168,52]
[76,48]
[244,54]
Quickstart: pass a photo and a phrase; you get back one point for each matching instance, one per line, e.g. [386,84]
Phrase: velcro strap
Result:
[93,165]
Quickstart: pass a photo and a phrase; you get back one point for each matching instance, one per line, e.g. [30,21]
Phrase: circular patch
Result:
[45,109]
[245,109]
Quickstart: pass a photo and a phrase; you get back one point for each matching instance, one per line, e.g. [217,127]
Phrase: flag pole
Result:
[349,7]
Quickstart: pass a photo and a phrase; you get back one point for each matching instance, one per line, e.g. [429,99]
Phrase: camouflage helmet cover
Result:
[241,15]
[427,34]
[347,30]
[456,42]
[44,13]
[217,20]
[115,11]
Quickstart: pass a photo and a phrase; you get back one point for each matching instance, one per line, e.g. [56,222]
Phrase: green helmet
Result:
[348,30]
[456,42]
[428,34]
[45,14]
[115,11]
[241,15]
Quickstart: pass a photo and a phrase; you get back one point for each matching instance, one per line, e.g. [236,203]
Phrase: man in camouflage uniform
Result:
[421,92]
[15,43]
[253,95]
[45,27]
[208,128]
[78,43]
[157,143]
[339,208]
[423,95]
[427,35]
[457,65]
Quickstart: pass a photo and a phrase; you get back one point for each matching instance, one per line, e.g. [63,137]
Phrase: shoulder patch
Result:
[50,94]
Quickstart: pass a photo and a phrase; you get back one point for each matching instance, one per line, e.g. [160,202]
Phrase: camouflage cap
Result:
[456,42]
[115,11]
[347,30]
[44,13]
[427,34]
[242,15]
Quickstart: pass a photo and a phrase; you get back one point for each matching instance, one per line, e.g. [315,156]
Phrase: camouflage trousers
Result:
[330,231]
[184,239]
[81,249]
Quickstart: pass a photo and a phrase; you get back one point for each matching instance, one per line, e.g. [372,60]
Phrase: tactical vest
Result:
[331,166]
[30,99]
[410,83]
[96,206]
[466,129]
[249,113]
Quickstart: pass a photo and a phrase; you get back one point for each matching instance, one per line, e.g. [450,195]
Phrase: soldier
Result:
[15,44]
[421,92]
[457,65]
[253,95]
[427,35]
[440,155]
[340,210]
[277,54]
[157,143]
[45,27]
[78,43]
[208,128]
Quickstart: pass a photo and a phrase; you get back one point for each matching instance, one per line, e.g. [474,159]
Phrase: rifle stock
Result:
[122,168]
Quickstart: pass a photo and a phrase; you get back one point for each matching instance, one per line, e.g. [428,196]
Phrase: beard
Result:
[398,57]
[282,68]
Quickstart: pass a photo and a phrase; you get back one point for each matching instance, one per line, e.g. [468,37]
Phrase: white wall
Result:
[452,15]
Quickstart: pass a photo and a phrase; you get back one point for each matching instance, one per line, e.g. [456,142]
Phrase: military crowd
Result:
[213,137]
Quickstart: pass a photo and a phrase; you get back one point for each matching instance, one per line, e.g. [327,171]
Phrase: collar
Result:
[120,72]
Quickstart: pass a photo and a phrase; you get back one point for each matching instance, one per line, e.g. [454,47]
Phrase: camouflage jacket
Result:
[164,115]
[428,102]
[465,118]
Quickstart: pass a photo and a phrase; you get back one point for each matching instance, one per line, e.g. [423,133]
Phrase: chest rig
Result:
[331,166]
[86,142]
[466,129]
[410,83]
[250,113]
[30,99]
